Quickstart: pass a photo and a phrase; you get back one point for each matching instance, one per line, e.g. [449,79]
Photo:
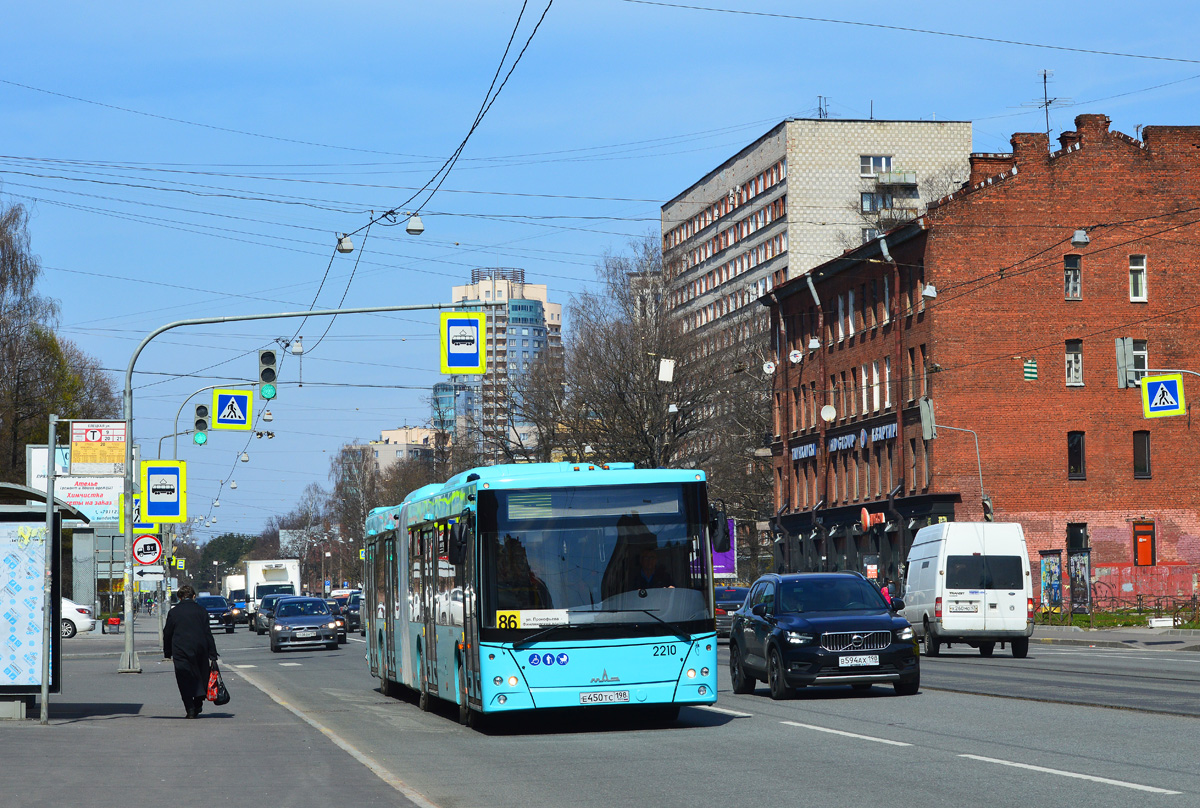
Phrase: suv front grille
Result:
[846,640]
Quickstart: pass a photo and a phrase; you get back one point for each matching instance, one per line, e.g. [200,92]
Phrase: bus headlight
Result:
[512,681]
[704,671]
[691,674]
[498,681]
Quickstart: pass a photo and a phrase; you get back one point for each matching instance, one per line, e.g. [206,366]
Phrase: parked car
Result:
[75,618]
[821,629]
[354,620]
[339,617]
[220,613]
[266,609]
[302,621]
[728,599]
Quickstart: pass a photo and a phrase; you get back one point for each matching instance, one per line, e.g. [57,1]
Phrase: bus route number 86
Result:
[508,619]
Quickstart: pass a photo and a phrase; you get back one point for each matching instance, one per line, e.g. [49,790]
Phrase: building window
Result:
[1072,288]
[912,463]
[1076,468]
[1144,554]
[1074,362]
[1141,358]
[875,386]
[928,467]
[866,464]
[887,382]
[1137,278]
[1077,536]
[1141,455]
[841,318]
[869,234]
[872,165]
[873,201]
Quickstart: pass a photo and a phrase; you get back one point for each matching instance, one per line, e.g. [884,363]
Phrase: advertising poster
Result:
[23,549]
[1079,566]
[1051,580]
[725,563]
[95,497]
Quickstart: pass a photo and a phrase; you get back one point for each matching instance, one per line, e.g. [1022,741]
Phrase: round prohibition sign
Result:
[147,549]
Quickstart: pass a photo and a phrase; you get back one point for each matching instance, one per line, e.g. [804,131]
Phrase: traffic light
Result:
[266,374]
[989,511]
[200,434]
[928,424]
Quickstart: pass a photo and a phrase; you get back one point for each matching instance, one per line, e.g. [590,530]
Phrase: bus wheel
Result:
[424,700]
[385,686]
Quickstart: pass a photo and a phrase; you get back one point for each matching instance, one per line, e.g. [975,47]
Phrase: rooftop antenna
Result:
[1047,102]
[822,106]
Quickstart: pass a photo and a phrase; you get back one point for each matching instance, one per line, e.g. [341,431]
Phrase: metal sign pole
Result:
[48,604]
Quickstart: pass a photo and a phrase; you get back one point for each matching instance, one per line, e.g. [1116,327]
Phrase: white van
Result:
[969,582]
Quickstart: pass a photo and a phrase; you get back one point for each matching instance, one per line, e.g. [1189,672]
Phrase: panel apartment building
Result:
[525,327]
[794,198]
[1003,305]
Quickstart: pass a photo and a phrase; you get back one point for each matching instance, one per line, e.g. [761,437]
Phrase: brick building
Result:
[995,307]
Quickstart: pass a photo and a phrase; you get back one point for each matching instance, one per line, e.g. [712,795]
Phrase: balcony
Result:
[896,178]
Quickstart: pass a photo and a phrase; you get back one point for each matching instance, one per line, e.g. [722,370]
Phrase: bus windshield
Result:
[592,555]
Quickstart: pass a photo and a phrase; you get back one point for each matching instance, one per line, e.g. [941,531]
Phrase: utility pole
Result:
[129,662]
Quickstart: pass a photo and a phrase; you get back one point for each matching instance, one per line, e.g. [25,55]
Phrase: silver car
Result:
[303,622]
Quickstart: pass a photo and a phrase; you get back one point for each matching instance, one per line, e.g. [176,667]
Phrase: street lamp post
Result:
[129,660]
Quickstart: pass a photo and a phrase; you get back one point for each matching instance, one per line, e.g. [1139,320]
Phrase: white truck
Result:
[233,589]
[276,576]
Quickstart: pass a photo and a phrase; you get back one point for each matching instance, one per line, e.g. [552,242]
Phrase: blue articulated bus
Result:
[546,585]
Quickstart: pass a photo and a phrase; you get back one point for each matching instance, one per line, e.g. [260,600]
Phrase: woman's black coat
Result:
[188,640]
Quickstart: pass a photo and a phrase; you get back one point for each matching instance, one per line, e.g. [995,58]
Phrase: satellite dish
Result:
[768,368]
[795,357]
[828,413]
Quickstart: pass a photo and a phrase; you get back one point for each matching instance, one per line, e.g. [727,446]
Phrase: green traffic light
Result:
[267,391]
[200,438]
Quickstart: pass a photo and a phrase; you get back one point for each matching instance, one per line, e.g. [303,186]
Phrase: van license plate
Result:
[855,661]
[606,697]
[970,608]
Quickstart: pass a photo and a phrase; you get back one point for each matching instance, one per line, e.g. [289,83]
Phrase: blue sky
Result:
[226,144]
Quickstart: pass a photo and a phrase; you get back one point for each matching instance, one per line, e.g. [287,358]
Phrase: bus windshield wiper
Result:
[676,630]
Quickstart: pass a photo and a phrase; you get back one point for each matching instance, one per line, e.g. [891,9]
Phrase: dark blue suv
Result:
[820,628]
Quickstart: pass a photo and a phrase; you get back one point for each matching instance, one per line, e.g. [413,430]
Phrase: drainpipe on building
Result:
[897,348]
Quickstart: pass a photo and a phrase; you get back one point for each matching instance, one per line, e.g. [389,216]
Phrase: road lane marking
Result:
[723,711]
[847,734]
[375,766]
[289,664]
[245,666]
[1076,775]
[356,639]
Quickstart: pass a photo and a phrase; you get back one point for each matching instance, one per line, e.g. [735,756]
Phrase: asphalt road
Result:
[827,747]
[1158,681]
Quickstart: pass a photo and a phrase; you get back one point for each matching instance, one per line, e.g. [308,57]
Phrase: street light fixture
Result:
[245,458]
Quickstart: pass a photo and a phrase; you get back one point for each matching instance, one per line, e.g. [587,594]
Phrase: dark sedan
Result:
[220,613]
[339,617]
[354,613]
[728,599]
[300,622]
[821,629]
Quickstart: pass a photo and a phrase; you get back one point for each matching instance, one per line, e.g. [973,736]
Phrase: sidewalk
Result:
[121,739]
[1139,637]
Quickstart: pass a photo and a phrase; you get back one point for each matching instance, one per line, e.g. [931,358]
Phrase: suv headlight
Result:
[904,633]
[799,638]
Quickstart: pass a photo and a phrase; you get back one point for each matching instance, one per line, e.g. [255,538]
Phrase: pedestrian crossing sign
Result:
[232,409]
[1163,395]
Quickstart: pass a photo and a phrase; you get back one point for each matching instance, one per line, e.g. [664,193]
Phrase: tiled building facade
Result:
[796,197]
[1002,305]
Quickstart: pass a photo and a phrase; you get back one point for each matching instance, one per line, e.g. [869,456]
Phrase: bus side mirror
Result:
[718,532]
[456,546]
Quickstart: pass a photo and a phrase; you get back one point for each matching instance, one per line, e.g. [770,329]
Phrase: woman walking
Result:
[188,640]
